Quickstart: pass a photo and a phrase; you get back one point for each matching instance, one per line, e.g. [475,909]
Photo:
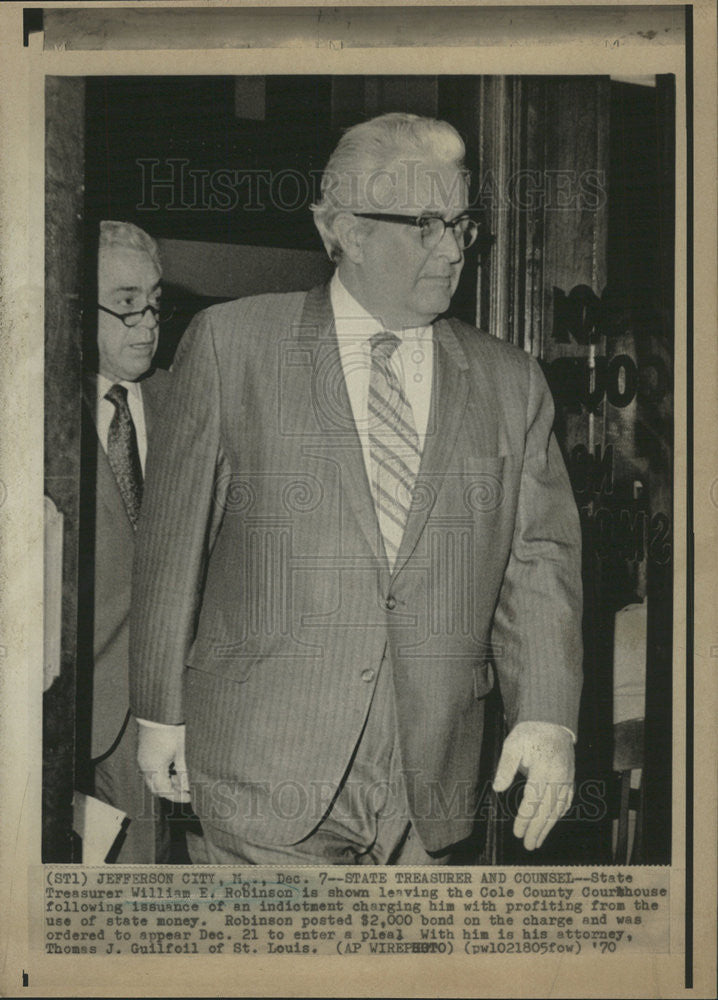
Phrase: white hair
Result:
[129,237]
[352,179]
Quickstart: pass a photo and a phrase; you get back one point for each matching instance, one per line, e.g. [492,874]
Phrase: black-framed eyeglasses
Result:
[432,227]
[135,318]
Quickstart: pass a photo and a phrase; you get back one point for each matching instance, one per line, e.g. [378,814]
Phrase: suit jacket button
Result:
[367,676]
[390,602]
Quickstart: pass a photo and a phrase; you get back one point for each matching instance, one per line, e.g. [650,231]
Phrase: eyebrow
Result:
[133,288]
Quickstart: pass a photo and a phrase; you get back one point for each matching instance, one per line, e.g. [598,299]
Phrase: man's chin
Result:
[136,372]
[140,361]
[435,304]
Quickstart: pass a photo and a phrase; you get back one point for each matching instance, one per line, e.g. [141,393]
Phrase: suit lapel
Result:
[340,441]
[450,390]
[150,388]
[333,419]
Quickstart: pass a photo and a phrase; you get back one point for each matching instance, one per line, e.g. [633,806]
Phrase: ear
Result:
[350,233]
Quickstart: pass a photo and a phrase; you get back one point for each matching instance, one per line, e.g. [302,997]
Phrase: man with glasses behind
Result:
[122,398]
[354,505]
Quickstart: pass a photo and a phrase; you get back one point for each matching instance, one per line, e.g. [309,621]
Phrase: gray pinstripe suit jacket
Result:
[263,604]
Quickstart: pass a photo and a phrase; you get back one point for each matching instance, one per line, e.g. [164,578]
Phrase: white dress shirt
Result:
[412,361]
[106,411]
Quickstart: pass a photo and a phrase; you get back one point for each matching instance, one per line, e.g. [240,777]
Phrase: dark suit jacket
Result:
[261,584]
[114,543]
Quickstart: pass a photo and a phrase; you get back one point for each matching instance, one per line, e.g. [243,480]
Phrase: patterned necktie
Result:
[123,453]
[393,444]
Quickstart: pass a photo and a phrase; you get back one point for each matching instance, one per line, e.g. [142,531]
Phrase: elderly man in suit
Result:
[356,515]
[122,400]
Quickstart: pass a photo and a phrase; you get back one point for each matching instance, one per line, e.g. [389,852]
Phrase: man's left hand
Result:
[544,752]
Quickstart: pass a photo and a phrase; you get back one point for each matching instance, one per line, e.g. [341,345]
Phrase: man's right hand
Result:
[160,755]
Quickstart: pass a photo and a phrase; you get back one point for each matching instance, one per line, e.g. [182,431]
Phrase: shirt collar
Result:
[354,323]
[104,385]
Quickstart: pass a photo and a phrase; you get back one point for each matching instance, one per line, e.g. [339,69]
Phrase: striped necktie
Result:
[393,444]
[123,453]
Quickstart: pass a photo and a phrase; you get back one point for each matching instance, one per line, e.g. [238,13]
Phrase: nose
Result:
[150,317]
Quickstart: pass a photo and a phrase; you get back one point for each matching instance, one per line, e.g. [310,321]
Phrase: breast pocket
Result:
[486,483]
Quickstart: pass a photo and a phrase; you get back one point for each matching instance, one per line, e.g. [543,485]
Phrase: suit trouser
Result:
[119,782]
[368,821]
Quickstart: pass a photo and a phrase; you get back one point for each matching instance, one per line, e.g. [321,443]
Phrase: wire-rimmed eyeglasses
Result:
[135,318]
[432,227]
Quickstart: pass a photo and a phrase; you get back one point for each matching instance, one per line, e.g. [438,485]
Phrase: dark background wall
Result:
[237,161]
